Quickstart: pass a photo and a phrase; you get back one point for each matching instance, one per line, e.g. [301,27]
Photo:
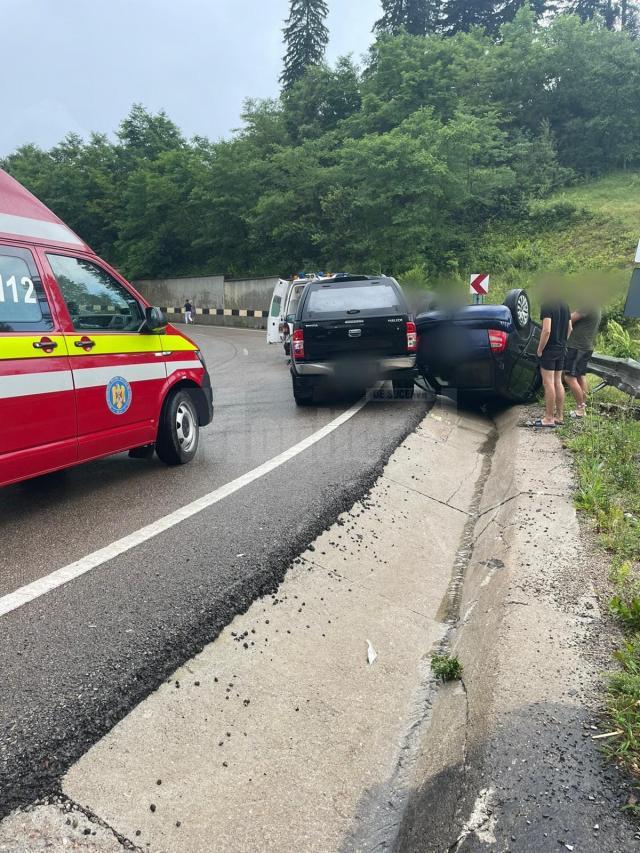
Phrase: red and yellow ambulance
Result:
[87,367]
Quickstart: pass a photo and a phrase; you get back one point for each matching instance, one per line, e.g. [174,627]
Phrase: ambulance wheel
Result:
[178,432]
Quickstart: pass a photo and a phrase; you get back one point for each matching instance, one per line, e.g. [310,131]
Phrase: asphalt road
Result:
[76,660]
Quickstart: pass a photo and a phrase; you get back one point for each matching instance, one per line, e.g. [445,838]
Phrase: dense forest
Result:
[445,135]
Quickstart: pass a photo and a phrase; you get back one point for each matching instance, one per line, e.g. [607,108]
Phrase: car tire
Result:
[179,430]
[403,389]
[302,392]
[517,301]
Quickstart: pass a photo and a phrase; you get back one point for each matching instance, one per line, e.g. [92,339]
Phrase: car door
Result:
[524,378]
[37,405]
[119,372]
[278,302]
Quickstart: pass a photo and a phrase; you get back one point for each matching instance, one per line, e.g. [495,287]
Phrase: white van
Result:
[285,300]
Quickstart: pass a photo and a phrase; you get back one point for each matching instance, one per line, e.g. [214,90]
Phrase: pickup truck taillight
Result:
[497,340]
[297,344]
[412,336]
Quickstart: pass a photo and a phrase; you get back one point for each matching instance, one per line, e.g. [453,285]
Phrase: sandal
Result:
[540,425]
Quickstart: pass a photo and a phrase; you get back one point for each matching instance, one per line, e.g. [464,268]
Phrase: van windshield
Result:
[365,298]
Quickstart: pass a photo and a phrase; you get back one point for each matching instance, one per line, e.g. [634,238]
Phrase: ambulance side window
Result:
[23,302]
[97,302]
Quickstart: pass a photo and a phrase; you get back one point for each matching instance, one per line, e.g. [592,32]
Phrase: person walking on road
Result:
[556,328]
[586,324]
[188,312]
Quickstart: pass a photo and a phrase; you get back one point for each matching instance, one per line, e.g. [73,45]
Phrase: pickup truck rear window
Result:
[336,299]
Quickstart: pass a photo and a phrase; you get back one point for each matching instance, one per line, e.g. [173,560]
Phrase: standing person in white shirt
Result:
[188,312]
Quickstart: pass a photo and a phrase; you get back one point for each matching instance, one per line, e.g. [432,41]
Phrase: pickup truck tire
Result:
[178,431]
[302,392]
[403,389]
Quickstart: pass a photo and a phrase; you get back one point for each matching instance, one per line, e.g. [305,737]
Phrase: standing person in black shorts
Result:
[556,328]
[586,324]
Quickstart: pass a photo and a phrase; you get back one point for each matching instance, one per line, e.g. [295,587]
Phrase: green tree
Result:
[306,37]
[462,15]
[608,10]
[416,17]
[322,99]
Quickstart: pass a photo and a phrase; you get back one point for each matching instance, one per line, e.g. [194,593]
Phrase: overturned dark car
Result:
[488,350]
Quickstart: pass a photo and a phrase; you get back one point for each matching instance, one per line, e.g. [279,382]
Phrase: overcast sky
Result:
[80,64]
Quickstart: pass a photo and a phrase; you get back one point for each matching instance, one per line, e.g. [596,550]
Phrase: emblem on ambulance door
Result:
[118,395]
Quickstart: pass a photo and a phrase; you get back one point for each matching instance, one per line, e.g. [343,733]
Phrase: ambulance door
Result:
[276,316]
[119,371]
[37,404]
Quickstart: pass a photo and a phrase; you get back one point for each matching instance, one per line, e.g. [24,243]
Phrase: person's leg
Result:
[559,393]
[585,390]
[548,382]
[575,387]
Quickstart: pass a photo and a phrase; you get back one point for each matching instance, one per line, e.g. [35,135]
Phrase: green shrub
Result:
[446,667]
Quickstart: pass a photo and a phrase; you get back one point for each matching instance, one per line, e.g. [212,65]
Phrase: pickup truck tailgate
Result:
[367,337]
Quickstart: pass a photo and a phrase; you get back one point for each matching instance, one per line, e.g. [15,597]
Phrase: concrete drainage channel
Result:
[282,736]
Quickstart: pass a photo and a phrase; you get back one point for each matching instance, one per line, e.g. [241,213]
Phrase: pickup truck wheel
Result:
[178,432]
[403,389]
[302,392]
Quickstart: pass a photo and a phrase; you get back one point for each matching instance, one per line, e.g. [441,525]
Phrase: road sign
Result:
[638,254]
[479,284]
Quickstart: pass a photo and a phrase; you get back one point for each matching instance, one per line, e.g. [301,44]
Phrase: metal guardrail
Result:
[620,373]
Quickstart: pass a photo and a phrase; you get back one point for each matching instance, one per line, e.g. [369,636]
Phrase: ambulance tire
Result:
[178,432]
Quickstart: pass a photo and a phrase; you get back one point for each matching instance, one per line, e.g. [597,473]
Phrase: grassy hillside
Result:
[606,226]
[591,227]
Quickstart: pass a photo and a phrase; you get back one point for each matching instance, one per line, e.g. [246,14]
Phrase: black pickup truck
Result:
[350,331]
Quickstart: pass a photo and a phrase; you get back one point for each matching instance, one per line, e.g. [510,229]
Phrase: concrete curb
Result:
[521,773]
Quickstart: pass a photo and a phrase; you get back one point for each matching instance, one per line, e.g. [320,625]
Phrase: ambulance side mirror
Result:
[155,321]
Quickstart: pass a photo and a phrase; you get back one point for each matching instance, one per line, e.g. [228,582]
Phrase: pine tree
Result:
[608,10]
[306,37]
[461,15]
[417,17]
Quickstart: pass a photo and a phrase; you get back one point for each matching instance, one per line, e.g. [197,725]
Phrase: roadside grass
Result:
[606,450]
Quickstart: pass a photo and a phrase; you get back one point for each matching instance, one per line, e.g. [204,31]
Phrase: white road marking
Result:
[52,581]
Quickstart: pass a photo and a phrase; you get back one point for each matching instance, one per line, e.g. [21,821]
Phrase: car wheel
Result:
[518,303]
[302,392]
[179,431]
[403,389]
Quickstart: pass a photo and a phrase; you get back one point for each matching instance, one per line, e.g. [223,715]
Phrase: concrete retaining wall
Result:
[217,301]
[204,291]
[252,293]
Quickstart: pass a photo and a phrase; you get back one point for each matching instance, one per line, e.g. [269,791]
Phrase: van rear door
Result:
[276,315]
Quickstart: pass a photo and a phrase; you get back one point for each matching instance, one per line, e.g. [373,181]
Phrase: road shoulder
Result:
[534,641]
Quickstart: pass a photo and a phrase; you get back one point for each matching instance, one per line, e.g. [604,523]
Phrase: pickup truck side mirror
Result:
[155,321]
